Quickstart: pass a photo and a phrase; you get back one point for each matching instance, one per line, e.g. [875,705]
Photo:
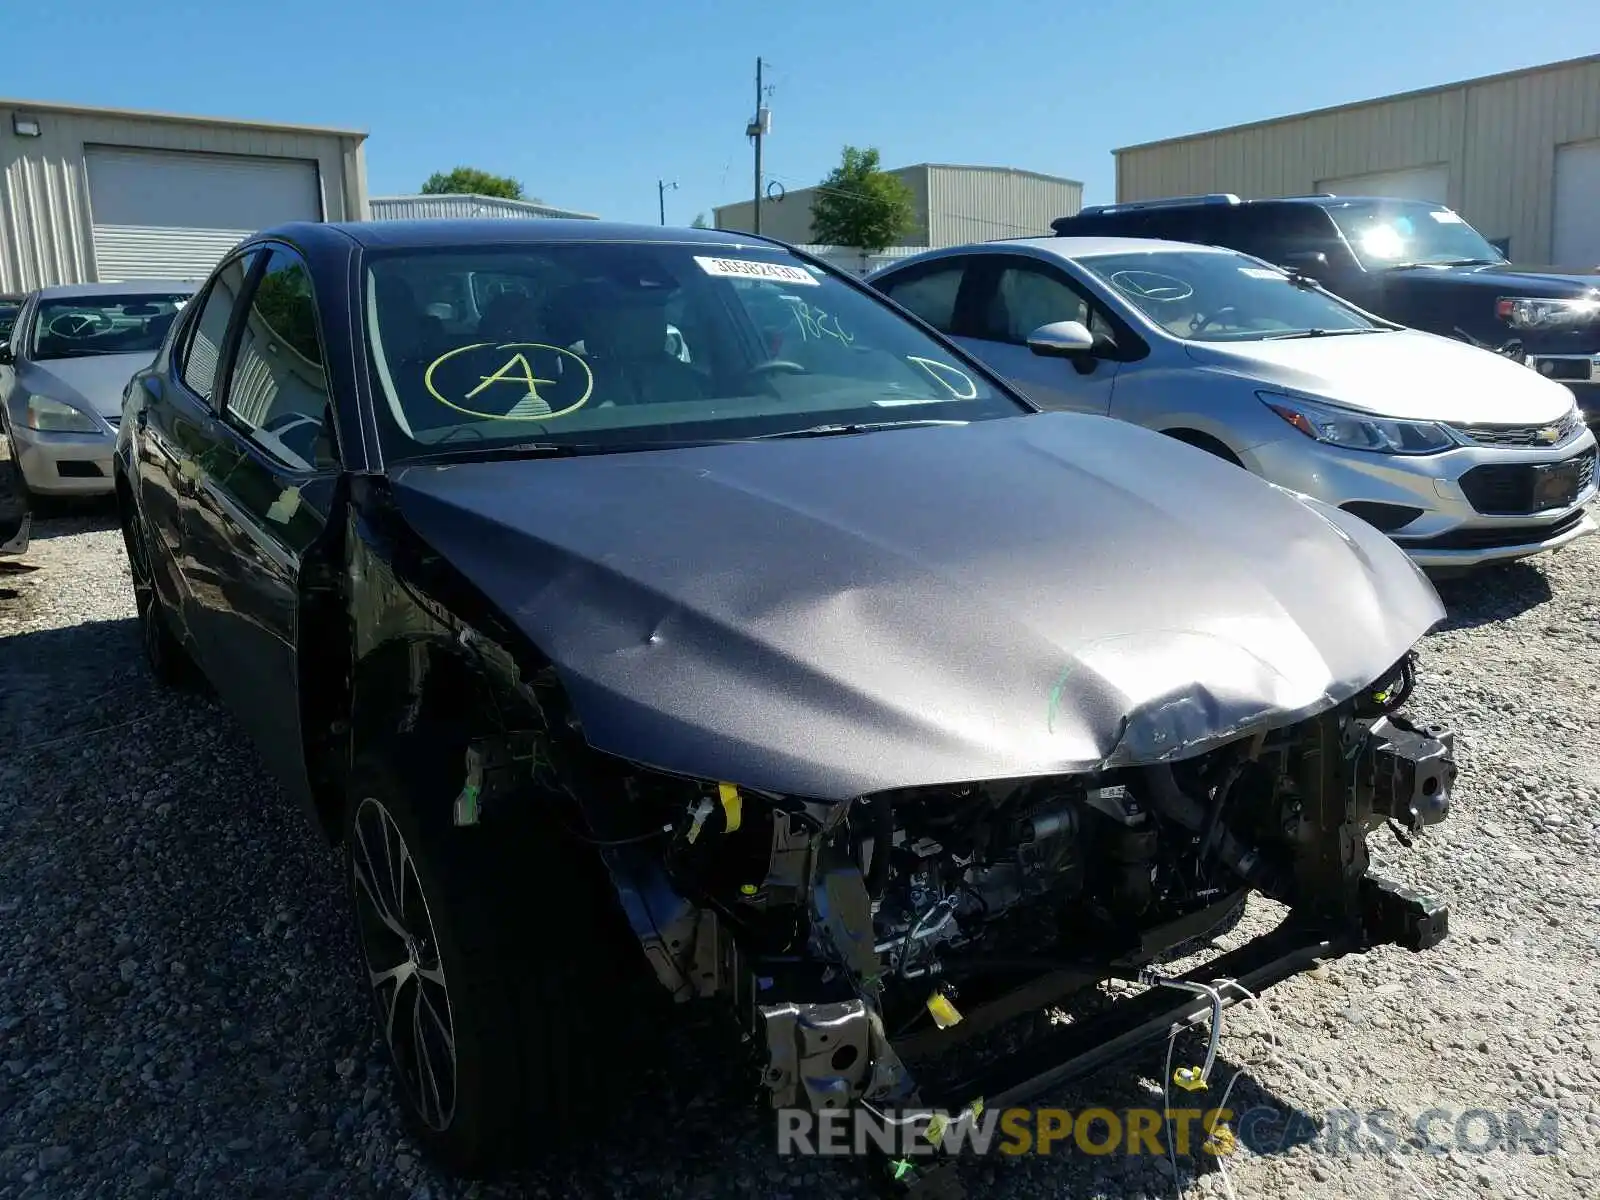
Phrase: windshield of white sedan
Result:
[1388,233]
[1217,296]
[628,344]
[130,324]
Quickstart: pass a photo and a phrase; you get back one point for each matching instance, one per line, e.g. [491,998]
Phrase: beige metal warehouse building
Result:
[1517,155]
[954,204]
[97,195]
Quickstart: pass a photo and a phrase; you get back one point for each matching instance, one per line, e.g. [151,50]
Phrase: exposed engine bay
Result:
[856,937]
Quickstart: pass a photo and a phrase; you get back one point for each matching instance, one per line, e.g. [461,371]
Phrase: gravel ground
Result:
[178,1012]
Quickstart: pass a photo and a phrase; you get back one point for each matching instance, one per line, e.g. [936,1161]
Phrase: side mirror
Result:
[1062,339]
[6,357]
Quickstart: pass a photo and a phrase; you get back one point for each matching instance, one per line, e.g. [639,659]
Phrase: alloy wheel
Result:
[404,968]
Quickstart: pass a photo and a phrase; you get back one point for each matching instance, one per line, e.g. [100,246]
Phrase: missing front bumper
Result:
[1391,915]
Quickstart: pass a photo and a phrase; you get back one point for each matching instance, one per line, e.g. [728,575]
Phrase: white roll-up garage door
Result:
[168,215]
[1577,203]
[1414,183]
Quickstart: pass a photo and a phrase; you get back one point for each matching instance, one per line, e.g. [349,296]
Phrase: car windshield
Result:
[1392,233]
[1219,296]
[70,327]
[628,345]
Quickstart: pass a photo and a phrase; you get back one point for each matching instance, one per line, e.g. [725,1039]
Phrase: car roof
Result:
[489,231]
[75,291]
[1069,248]
[1088,247]
[1132,208]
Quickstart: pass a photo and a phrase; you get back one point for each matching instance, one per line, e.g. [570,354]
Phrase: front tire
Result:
[497,983]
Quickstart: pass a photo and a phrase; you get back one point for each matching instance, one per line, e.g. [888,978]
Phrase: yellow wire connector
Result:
[732,805]
[944,1013]
[1221,1142]
[1190,1079]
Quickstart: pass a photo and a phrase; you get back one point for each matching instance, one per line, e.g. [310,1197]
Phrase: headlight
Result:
[1356,430]
[52,416]
[1535,313]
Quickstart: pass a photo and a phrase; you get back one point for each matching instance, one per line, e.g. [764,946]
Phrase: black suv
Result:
[1412,261]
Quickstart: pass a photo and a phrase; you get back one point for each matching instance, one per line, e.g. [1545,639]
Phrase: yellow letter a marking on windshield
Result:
[516,370]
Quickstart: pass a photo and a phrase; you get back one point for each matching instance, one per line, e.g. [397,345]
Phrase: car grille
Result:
[1525,435]
[1511,489]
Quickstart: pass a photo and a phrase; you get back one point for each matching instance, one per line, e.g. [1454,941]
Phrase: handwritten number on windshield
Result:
[816,324]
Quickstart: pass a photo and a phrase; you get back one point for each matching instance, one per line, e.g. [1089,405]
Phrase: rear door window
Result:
[209,330]
[929,291]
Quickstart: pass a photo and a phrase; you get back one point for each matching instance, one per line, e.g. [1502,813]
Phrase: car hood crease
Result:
[833,617]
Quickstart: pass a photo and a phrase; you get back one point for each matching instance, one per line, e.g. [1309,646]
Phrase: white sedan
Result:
[1461,456]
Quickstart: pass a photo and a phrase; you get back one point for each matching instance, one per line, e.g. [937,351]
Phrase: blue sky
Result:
[589,102]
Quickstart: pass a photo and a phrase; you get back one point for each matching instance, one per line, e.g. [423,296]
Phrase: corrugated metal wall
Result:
[954,204]
[432,208]
[45,218]
[970,205]
[1498,136]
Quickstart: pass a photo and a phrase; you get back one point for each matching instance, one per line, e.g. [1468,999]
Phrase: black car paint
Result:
[232,582]
[292,625]
[387,577]
[1451,300]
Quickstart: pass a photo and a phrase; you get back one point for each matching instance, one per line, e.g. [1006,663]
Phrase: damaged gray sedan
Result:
[663,601]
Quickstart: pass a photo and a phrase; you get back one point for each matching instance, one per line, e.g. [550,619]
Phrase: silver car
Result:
[1460,455]
[71,353]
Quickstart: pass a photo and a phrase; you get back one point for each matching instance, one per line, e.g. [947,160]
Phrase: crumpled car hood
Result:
[836,616]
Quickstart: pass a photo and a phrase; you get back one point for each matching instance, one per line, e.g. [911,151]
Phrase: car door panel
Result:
[255,516]
[172,424]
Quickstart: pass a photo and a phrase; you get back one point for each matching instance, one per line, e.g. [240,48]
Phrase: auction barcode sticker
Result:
[747,268]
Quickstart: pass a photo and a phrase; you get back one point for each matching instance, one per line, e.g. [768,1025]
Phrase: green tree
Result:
[471,181]
[699,222]
[862,206]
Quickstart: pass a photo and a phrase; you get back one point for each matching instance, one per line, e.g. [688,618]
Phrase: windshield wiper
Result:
[1448,262]
[852,427]
[554,450]
[1311,333]
[514,450]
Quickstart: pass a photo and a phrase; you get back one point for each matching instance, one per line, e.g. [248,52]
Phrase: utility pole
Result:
[758,129]
[759,98]
[662,188]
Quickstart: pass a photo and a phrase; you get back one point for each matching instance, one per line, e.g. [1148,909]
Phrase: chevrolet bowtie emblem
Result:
[1549,434]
